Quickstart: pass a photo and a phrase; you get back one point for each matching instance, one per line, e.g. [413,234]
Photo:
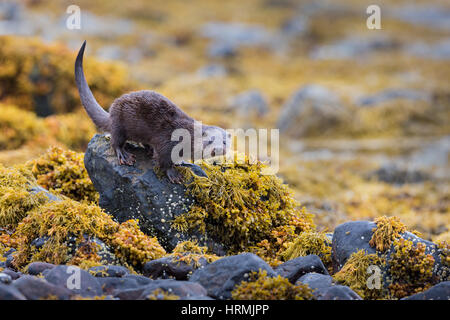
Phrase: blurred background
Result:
[364,115]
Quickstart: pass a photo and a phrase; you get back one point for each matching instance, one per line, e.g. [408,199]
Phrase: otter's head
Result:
[216,141]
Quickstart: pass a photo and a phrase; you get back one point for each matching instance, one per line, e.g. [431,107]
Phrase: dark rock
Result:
[8,292]
[13,274]
[220,277]
[353,47]
[34,288]
[440,291]
[114,285]
[135,192]
[349,238]
[295,268]
[5,278]
[9,261]
[296,26]
[141,280]
[77,280]
[438,50]
[432,16]
[320,283]
[36,268]
[10,11]
[183,289]
[393,174]
[108,271]
[316,106]
[393,94]
[250,102]
[228,38]
[166,268]
[339,292]
[198,298]
[212,70]
[39,242]
[440,271]
[433,155]
[9,252]
[129,294]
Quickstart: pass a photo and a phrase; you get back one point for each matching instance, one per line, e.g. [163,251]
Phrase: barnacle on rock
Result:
[355,274]
[62,171]
[411,268]
[239,207]
[387,230]
[444,248]
[259,286]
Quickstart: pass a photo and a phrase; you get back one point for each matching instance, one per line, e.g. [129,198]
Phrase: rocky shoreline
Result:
[359,260]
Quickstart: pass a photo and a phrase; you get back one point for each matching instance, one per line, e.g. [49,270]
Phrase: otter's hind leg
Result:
[118,140]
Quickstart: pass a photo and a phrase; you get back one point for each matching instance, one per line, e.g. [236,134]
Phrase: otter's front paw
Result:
[174,176]
[126,158]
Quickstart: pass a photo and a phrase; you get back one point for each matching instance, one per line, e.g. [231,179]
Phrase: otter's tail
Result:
[98,115]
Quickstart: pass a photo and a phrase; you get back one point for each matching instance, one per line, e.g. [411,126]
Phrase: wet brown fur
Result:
[142,116]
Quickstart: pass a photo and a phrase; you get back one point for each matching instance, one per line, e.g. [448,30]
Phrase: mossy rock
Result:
[136,192]
[406,263]
[227,207]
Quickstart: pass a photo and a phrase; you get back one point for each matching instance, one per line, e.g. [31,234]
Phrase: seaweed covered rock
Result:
[19,194]
[62,172]
[220,277]
[440,291]
[260,286]
[39,77]
[401,262]
[184,260]
[349,238]
[310,243]
[18,127]
[233,207]
[136,192]
[69,232]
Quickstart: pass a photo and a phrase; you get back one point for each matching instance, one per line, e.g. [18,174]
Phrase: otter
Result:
[149,118]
